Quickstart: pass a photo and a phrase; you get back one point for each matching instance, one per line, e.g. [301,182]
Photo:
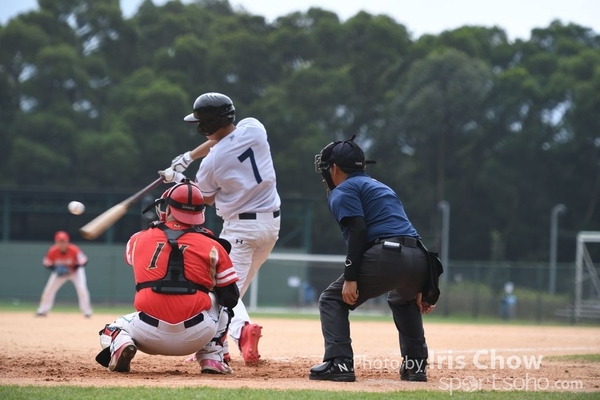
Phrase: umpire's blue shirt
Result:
[362,196]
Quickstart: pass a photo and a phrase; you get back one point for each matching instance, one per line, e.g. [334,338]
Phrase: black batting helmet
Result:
[211,112]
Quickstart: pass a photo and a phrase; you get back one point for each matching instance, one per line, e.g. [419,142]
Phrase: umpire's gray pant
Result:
[401,274]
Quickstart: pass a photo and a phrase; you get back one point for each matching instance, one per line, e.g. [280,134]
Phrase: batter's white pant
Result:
[173,339]
[55,282]
[251,243]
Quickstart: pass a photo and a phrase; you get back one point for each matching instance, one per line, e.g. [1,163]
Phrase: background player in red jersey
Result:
[66,261]
[185,285]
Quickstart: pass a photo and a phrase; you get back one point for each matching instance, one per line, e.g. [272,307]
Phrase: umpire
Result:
[384,254]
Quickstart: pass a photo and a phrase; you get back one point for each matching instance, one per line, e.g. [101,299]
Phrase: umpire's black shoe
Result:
[337,369]
[414,370]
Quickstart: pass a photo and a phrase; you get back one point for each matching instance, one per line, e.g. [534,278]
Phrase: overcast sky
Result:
[516,17]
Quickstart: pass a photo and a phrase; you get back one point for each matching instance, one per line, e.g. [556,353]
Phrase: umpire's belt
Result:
[270,215]
[407,241]
[187,324]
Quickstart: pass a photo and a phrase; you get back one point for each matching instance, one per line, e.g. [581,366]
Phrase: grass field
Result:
[590,358]
[200,392]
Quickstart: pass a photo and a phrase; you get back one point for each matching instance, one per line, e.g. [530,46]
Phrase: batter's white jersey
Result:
[239,172]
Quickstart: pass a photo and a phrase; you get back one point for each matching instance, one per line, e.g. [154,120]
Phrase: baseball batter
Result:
[237,176]
[185,287]
[66,262]
[384,255]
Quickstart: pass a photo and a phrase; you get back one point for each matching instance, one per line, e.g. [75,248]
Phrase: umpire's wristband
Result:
[357,234]
[351,269]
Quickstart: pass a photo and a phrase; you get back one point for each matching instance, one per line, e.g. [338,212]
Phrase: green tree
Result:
[503,131]
[150,111]
[433,122]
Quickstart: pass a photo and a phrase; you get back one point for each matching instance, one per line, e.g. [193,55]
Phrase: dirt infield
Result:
[60,350]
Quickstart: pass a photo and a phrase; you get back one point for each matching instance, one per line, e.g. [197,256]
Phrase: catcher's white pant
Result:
[55,282]
[172,339]
[251,243]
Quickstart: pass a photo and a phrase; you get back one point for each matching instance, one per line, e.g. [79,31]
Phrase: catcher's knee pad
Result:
[108,334]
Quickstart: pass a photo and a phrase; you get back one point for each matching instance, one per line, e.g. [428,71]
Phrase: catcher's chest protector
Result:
[174,281]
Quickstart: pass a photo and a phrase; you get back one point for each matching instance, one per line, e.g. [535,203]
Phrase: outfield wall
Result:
[295,280]
[110,279]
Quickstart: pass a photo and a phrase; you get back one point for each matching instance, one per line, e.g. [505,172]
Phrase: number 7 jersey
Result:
[239,172]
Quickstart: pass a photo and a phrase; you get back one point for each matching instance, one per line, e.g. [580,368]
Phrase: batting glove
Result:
[181,162]
[170,176]
[61,270]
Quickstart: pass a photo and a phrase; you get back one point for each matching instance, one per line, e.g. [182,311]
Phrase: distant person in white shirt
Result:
[238,178]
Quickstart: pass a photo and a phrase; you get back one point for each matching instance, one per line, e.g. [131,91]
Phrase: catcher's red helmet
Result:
[185,202]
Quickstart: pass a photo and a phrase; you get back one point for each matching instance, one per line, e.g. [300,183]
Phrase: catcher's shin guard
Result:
[117,349]
[107,335]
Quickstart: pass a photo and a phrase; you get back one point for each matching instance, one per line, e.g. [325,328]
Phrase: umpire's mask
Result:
[345,154]
[322,166]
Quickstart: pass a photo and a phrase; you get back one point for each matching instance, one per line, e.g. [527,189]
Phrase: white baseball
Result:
[76,207]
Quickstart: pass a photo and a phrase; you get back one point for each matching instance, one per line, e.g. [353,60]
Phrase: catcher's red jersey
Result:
[71,258]
[205,262]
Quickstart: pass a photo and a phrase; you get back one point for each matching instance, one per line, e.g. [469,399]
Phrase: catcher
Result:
[185,287]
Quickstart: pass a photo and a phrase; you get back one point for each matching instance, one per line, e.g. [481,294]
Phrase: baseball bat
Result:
[102,222]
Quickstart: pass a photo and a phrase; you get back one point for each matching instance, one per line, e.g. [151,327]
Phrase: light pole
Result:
[445,207]
[556,210]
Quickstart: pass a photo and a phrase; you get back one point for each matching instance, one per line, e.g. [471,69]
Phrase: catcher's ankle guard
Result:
[107,335]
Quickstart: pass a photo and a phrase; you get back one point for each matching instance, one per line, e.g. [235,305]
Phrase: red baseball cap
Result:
[61,236]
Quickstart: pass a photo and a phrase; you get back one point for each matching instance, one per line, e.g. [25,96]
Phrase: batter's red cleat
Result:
[120,360]
[251,333]
[226,358]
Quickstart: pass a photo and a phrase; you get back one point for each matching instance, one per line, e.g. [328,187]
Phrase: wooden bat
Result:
[102,222]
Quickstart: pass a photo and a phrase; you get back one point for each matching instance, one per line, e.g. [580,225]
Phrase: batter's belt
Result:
[270,215]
